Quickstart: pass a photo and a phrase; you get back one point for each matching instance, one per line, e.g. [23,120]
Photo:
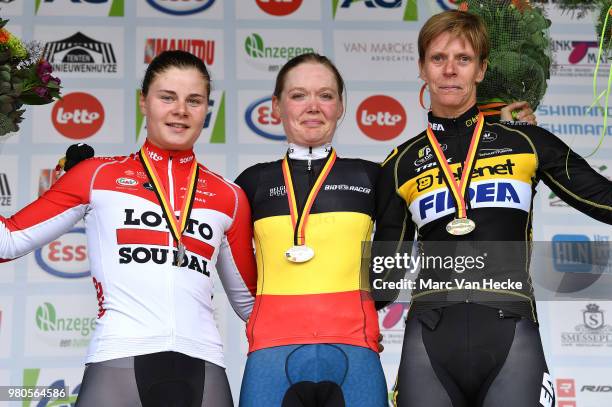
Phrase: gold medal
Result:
[461,226]
[299,254]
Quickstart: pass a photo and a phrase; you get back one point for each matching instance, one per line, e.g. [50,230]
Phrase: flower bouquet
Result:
[25,79]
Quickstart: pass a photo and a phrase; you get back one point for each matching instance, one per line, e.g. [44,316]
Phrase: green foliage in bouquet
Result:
[519,62]
[580,8]
[25,79]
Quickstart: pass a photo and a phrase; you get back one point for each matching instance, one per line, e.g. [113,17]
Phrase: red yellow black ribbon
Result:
[458,189]
[176,226]
[299,220]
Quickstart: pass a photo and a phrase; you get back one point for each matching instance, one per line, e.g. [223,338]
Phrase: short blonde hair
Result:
[460,24]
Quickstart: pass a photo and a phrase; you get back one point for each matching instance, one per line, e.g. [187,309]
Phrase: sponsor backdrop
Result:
[100,50]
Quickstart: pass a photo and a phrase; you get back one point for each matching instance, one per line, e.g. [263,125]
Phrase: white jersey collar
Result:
[297,152]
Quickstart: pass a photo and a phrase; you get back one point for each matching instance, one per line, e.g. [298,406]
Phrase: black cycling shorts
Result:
[166,379]
[470,355]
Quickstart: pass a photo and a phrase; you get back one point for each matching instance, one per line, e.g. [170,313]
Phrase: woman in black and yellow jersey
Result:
[476,344]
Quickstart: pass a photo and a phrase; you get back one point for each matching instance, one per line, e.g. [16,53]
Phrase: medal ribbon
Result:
[299,220]
[176,226]
[458,189]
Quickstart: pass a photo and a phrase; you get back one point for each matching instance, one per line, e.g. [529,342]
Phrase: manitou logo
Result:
[381,117]
[279,7]
[78,115]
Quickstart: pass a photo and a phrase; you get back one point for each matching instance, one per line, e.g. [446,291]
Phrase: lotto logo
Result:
[381,117]
[154,156]
[78,115]
[279,7]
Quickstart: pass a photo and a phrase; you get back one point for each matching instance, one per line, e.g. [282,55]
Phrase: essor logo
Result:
[78,115]
[381,117]
[258,117]
[182,7]
[128,182]
[279,7]
[448,4]
[65,257]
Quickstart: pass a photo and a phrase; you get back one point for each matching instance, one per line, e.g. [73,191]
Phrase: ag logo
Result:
[258,117]
[381,117]
[279,7]
[127,182]
[180,8]
[78,115]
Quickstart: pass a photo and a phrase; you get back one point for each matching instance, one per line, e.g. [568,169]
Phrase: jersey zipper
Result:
[172,315]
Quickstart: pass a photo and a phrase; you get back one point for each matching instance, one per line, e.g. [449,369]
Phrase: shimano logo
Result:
[486,152]
[501,192]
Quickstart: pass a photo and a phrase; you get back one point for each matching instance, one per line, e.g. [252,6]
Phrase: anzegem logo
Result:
[78,115]
[279,7]
[381,117]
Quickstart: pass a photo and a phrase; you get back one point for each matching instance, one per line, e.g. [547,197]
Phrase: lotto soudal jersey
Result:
[148,302]
[412,194]
[323,299]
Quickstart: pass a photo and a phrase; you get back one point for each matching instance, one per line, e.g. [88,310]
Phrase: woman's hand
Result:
[518,111]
